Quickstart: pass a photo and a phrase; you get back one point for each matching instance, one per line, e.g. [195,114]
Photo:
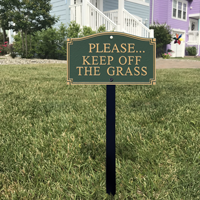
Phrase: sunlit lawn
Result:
[53,136]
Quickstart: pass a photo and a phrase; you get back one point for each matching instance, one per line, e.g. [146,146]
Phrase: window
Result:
[184,11]
[179,9]
[193,26]
[174,8]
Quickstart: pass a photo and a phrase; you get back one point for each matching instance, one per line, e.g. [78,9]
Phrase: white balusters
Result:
[193,37]
[76,13]
[113,15]
[97,18]
[133,26]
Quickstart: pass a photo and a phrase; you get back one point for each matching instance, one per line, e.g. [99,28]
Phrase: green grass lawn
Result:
[53,136]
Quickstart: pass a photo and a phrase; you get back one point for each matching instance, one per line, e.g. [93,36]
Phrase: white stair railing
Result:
[76,13]
[97,18]
[113,15]
[133,26]
[193,37]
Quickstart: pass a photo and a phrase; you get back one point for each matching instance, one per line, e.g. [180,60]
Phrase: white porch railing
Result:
[113,15]
[76,13]
[194,37]
[98,18]
[133,26]
[95,18]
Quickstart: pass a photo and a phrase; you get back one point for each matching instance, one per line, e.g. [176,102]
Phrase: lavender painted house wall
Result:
[163,13]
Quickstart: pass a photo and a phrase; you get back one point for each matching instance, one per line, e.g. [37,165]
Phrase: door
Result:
[178,49]
[193,34]
[193,25]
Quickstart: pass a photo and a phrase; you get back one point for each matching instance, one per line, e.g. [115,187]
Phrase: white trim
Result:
[142,2]
[192,43]
[139,18]
[101,5]
[84,13]
[75,5]
[178,30]
[120,15]
[195,15]
[182,1]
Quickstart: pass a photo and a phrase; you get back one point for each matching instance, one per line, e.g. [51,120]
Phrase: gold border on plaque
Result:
[152,41]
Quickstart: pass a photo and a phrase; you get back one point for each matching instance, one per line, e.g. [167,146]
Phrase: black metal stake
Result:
[110,140]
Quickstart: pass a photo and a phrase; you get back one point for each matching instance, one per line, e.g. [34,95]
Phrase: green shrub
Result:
[192,51]
[17,46]
[86,31]
[166,55]
[4,48]
[46,44]
[102,28]
[52,43]
[11,51]
[13,55]
[62,42]
[162,33]
[74,30]
[1,38]
[2,51]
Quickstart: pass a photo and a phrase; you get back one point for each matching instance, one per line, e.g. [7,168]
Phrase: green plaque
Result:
[111,58]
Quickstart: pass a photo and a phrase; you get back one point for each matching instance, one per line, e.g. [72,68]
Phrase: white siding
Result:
[60,8]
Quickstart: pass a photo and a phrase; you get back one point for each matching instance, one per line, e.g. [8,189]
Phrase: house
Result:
[183,16]
[130,16]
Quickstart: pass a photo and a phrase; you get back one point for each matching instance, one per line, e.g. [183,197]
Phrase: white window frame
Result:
[183,2]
